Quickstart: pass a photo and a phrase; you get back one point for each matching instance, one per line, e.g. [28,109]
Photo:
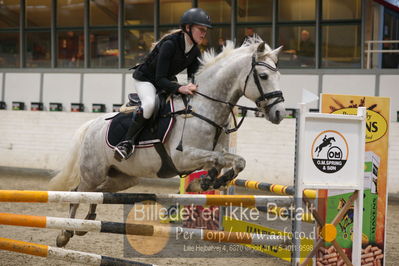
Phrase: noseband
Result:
[263,96]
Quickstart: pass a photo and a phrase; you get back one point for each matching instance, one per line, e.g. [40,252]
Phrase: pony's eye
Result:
[264,76]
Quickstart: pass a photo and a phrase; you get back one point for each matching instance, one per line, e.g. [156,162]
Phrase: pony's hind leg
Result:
[91,215]
[114,181]
[65,235]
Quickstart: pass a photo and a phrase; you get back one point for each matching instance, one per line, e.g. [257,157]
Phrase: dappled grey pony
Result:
[250,71]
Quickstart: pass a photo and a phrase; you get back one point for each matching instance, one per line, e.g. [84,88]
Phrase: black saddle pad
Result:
[152,133]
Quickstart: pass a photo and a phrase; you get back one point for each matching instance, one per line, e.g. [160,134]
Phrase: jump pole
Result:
[83,258]
[132,198]
[139,229]
[269,187]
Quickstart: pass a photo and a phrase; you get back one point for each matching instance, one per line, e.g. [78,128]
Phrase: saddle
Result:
[154,134]
[156,130]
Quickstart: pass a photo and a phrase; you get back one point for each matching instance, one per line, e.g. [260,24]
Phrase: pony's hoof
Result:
[194,186]
[91,216]
[63,238]
[80,233]
[221,188]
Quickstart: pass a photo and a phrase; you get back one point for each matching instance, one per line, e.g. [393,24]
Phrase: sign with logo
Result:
[375,170]
[330,151]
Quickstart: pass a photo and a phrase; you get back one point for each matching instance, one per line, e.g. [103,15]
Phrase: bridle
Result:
[263,96]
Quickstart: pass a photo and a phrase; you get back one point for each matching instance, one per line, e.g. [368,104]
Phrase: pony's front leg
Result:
[213,162]
[237,165]
[236,162]
[209,180]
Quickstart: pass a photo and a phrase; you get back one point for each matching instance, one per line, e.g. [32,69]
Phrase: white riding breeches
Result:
[147,94]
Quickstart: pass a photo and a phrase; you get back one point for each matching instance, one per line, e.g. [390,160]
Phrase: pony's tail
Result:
[68,177]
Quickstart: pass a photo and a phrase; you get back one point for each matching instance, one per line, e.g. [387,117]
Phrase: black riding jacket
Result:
[165,61]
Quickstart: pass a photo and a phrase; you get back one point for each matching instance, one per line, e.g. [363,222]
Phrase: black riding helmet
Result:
[195,16]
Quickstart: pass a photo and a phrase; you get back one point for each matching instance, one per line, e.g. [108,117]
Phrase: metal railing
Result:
[370,50]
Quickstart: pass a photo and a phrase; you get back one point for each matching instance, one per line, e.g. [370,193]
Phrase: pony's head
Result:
[250,70]
[262,78]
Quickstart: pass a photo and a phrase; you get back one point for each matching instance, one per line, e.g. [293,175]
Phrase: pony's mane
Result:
[209,58]
[252,40]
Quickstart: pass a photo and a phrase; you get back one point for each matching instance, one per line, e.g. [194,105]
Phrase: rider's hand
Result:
[188,89]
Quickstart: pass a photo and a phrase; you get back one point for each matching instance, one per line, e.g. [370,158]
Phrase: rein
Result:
[244,109]
[225,129]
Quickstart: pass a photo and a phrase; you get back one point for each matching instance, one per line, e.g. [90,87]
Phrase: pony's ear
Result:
[260,51]
[277,50]
[274,54]
[261,47]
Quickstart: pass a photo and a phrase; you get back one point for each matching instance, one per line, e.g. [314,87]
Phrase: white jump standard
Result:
[339,166]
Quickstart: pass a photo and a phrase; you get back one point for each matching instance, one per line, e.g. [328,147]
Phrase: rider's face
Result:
[199,33]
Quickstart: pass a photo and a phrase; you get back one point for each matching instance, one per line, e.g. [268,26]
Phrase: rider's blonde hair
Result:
[164,36]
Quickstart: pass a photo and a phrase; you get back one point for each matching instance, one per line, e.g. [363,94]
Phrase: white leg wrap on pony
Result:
[147,94]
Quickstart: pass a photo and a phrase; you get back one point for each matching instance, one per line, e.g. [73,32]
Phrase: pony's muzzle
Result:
[277,114]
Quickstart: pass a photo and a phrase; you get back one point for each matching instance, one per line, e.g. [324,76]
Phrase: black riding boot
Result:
[125,148]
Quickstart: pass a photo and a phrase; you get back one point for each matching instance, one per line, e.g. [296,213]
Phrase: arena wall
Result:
[112,86]
[39,140]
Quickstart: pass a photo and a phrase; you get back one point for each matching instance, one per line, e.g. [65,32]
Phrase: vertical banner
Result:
[375,175]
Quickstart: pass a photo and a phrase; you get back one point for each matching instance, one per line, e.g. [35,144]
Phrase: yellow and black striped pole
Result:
[274,188]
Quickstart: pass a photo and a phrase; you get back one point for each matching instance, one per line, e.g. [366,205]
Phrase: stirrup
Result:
[122,152]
